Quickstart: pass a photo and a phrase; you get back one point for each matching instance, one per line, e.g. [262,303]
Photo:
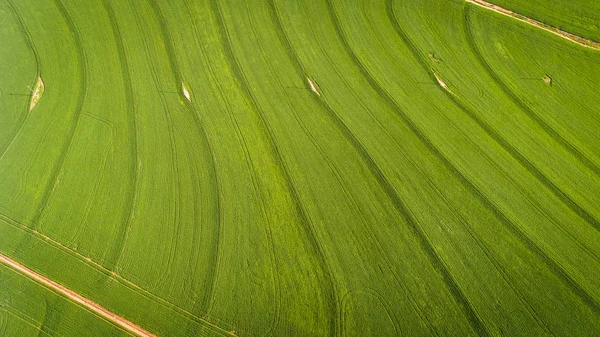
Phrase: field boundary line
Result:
[75,297]
[551,29]
[533,169]
[111,274]
[551,131]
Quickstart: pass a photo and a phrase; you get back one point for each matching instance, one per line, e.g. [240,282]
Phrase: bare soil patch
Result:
[36,93]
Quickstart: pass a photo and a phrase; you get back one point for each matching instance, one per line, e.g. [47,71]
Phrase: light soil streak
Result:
[117,277]
[565,35]
[75,297]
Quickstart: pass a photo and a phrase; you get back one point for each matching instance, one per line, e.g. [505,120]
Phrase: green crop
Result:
[300,168]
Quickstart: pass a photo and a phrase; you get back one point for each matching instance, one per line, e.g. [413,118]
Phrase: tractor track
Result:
[458,294]
[94,307]
[304,219]
[82,69]
[556,31]
[577,288]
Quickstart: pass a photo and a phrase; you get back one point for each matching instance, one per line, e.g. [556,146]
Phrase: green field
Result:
[580,17]
[300,168]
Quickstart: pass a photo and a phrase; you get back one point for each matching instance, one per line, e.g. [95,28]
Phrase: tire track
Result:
[175,177]
[53,181]
[101,173]
[81,301]
[173,159]
[31,44]
[588,43]
[384,129]
[485,200]
[519,102]
[301,72]
[357,146]
[132,126]
[111,274]
[415,51]
[462,220]
[458,294]
[30,321]
[329,288]
[306,131]
[47,319]
[193,113]
[528,165]
[251,166]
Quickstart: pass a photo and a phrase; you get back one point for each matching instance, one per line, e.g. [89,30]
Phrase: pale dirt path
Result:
[12,222]
[565,35]
[94,307]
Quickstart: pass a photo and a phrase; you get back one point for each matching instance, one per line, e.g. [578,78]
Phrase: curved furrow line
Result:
[475,191]
[192,111]
[458,294]
[357,146]
[250,166]
[120,248]
[301,72]
[38,64]
[303,127]
[491,256]
[473,115]
[329,288]
[94,190]
[251,169]
[213,267]
[132,126]
[528,165]
[408,157]
[164,278]
[174,159]
[489,130]
[462,221]
[31,160]
[53,181]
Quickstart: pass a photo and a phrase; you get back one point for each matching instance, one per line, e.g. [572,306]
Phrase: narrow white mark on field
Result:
[36,93]
[82,301]
[442,83]
[313,87]
[186,92]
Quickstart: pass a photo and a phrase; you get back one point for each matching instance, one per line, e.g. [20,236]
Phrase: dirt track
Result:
[565,35]
[94,307]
